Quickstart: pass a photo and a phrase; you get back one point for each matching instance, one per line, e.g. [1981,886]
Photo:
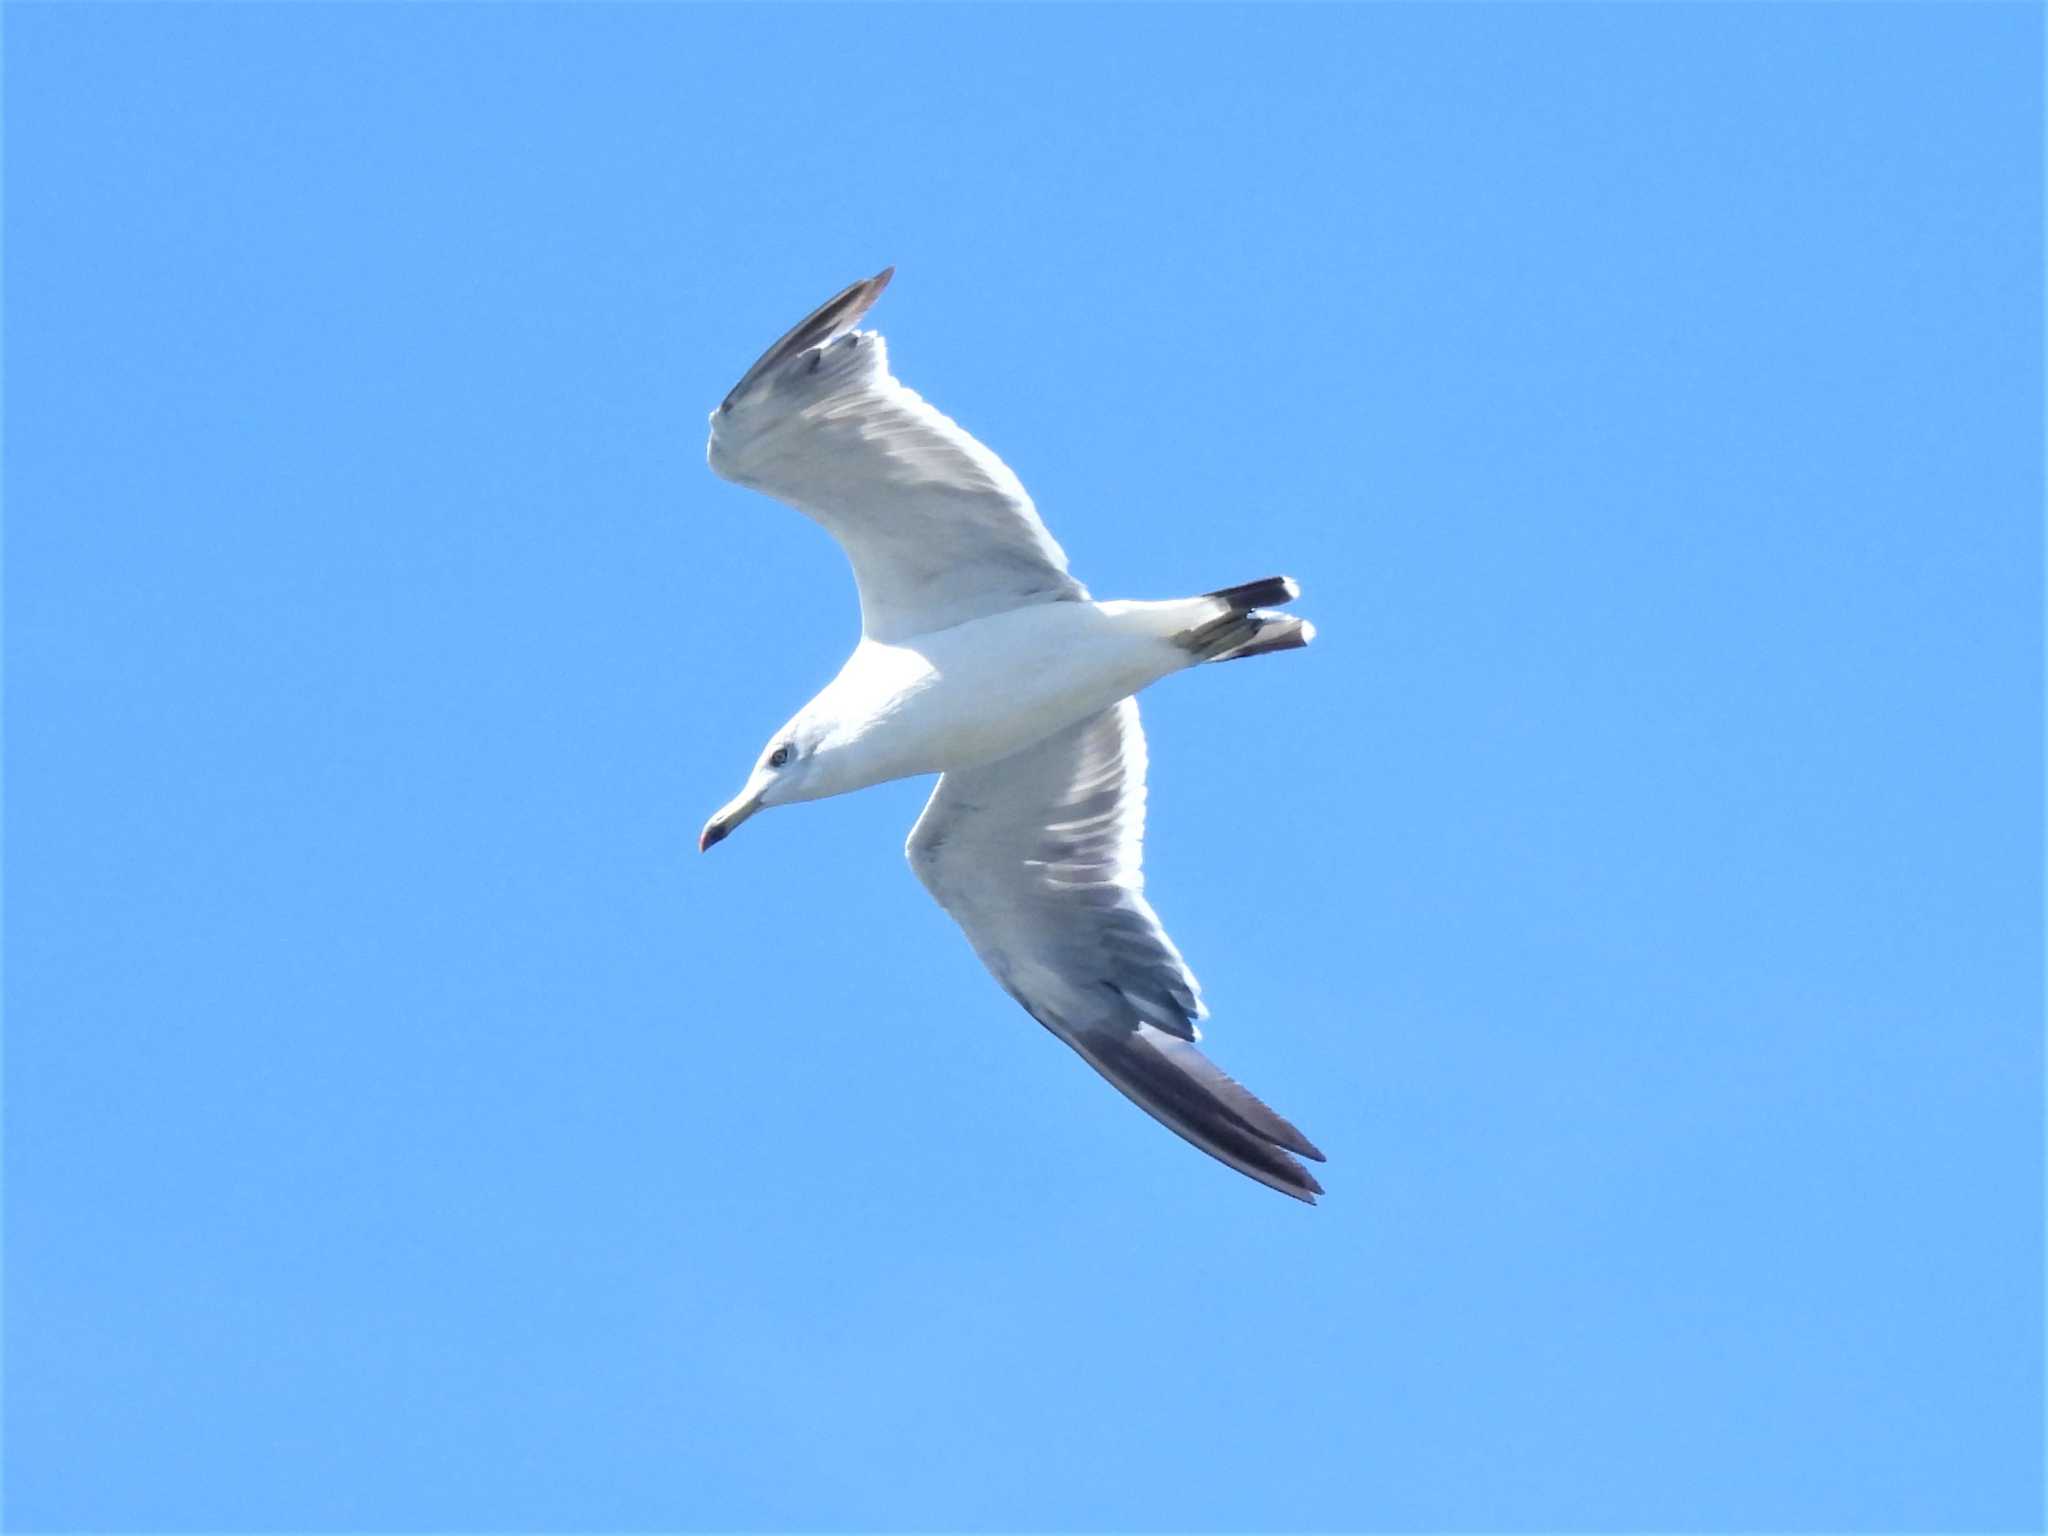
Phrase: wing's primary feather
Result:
[1038,858]
[937,528]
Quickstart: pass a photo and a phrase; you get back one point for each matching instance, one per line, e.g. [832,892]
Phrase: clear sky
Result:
[1636,890]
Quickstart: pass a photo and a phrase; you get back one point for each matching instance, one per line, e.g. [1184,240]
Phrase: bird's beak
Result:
[719,827]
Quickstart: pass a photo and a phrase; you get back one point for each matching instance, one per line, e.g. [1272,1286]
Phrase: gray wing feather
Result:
[937,528]
[1038,857]
[829,321]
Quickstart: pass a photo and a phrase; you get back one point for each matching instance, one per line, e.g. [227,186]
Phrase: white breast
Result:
[985,689]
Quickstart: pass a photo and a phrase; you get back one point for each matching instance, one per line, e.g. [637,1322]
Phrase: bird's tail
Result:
[1242,624]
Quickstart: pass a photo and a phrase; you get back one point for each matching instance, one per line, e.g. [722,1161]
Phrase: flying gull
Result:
[982,660]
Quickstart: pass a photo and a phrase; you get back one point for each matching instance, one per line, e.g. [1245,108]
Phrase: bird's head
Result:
[781,774]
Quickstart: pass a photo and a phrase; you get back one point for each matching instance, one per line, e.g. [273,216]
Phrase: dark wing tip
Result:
[1174,1083]
[1280,1172]
[829,321]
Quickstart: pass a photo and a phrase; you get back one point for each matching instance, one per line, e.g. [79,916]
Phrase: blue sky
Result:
[1636,890]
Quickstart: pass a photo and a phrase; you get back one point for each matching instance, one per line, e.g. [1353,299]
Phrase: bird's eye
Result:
[778,757]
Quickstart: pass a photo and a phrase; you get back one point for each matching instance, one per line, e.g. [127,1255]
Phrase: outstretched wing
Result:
[937,528]
[1037,857]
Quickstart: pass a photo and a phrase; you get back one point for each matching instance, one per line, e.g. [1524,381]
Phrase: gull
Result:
[982,660]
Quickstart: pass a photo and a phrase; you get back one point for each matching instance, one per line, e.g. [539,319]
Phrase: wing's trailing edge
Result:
[1037,858]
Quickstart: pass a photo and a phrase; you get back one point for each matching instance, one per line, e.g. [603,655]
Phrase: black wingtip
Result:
[1267,592]
[1174,1083]
[830,320]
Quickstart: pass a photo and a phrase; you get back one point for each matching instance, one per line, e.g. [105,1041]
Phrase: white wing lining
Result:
[1037,857]
[937,528]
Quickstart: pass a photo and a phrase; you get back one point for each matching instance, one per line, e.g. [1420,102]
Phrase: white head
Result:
[785,772]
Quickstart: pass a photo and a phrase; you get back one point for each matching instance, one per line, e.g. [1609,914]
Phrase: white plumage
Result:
[982,659]
[938,529]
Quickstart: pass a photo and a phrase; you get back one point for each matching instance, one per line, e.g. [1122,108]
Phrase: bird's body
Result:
[983,660]
[957,698]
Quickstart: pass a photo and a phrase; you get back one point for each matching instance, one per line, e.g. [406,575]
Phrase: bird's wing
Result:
[937,528]
[1037,857]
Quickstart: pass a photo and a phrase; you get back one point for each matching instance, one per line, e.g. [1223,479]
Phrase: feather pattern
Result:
[1038,857]
[936,527]
[984,658]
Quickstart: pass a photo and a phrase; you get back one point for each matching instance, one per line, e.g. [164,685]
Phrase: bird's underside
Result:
[1037,855]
